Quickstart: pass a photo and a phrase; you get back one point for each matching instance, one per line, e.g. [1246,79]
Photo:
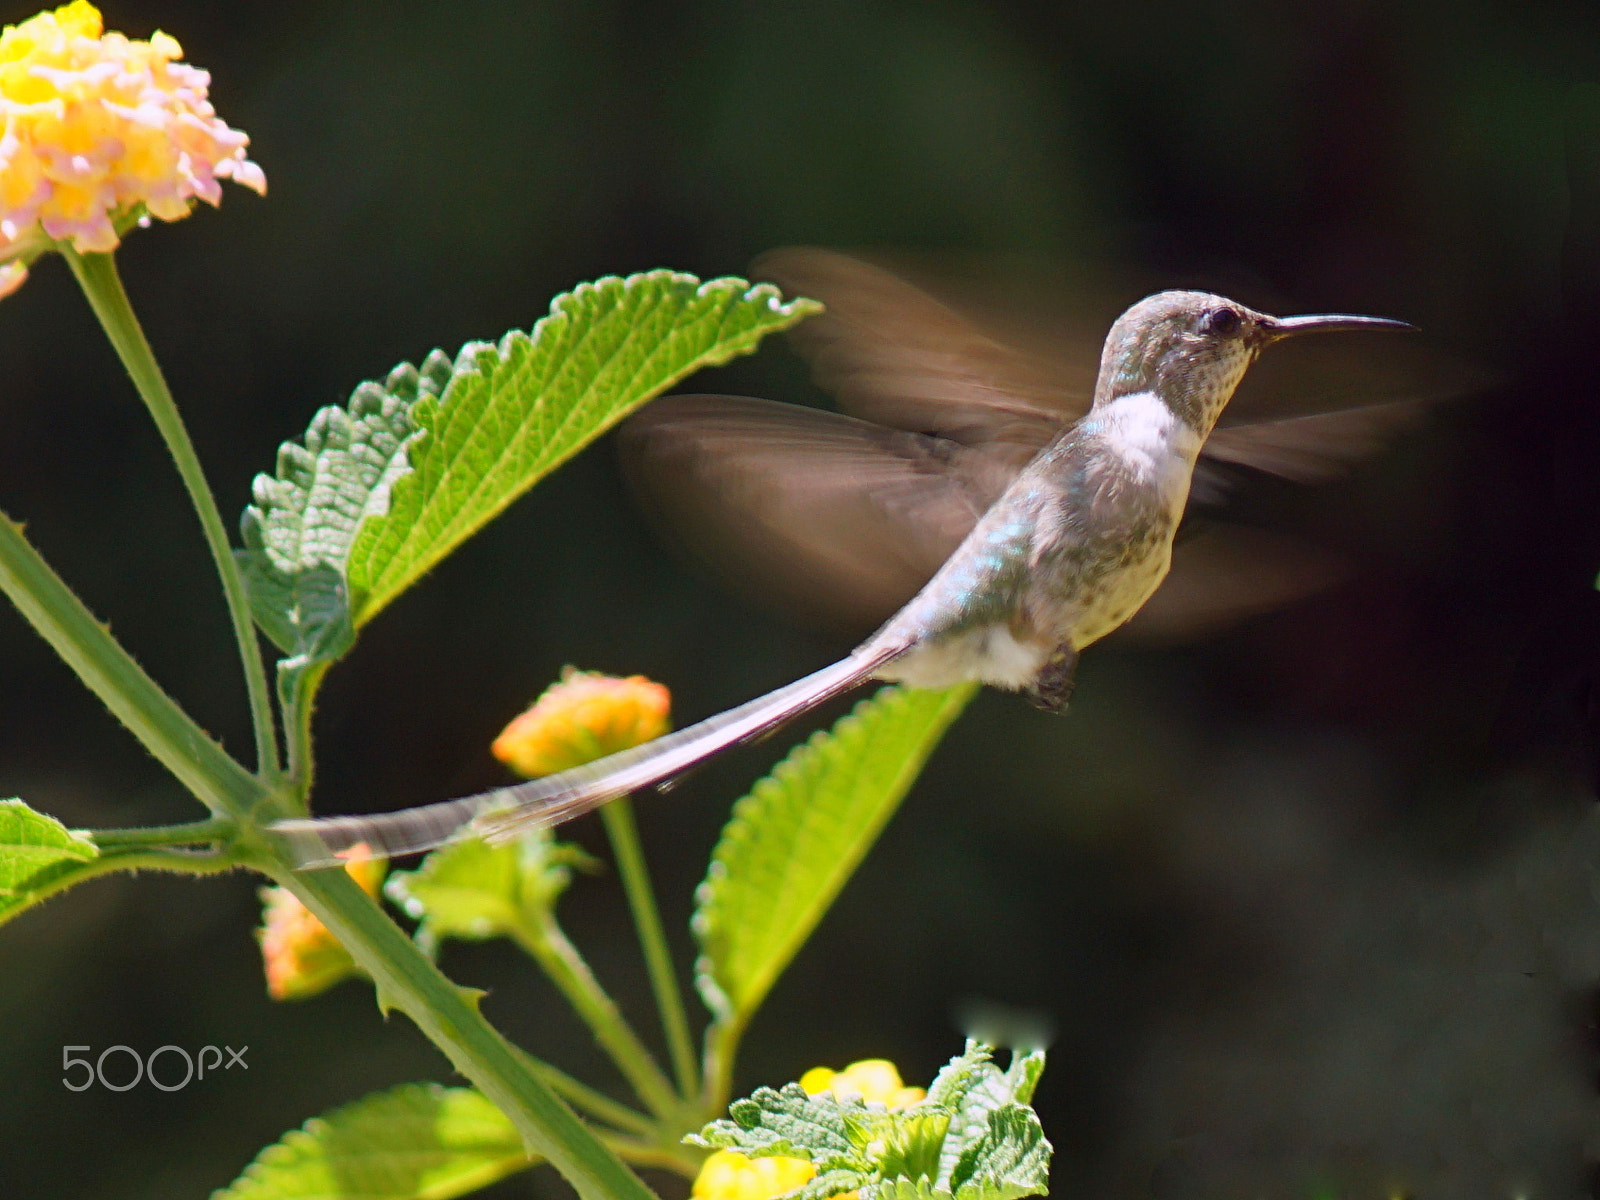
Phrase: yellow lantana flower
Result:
[301,956]
[730,1175]
[584,717]
[94,125]
[875,1080]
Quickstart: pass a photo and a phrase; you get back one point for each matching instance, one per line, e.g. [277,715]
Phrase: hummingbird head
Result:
[1192,348]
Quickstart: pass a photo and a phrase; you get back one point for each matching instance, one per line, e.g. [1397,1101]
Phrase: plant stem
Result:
[97,276]
[595,1103]
[131,860]
[408,981]
[722,1043]
[682,1159]
[187,834]
[623,831]
[108,671]
[560,960]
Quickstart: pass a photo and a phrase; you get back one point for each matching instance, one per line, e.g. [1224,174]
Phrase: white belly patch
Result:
[990,654]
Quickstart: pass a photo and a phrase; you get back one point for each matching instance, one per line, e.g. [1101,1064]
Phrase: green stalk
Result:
[560,960]
[97,276]
[684,1160]
[595,1103]
[188,834]
[297,712]
[722,1044]
[108,670]
[408,981]
[623,831]
[175,861]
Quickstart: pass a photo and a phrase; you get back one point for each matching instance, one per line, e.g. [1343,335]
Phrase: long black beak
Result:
[1281,327]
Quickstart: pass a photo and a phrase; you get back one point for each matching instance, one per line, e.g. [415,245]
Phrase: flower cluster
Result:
[96,128]
[585,716]
[730,1175]
[302,957]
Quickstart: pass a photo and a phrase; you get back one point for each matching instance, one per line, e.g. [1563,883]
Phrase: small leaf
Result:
[993,1134]
[471,890]
[831,1183]
[821,1129]
[515,410]
[413,1142]
[1010,1159]
[971,1139]
[38,855]
[795,839]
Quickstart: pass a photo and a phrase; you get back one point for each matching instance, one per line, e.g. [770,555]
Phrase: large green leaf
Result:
[383,488]
[38,857]
[795,839]
[515,410]
[414,1142]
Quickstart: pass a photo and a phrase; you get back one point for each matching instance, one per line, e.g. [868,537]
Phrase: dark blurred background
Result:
[1311,905]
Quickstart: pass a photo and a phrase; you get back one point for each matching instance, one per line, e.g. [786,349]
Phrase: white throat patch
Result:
[1144,433]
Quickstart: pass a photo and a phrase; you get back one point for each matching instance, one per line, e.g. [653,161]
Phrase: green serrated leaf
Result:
[903,1189]
[419,1141]
[831,1183]
[794,841]
[969,1140]
[385,487]
[471,890]
[297,534]
[38,854]
[1010,1159]
[973,1090]
[515,410]
[32,843]
[789,1121]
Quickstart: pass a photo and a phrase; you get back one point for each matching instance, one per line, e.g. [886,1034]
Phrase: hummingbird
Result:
[1011,525]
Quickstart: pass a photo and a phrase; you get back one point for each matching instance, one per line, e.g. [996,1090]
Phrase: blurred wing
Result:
[1224,573]
[1310,449]
[894,355]
[836,520]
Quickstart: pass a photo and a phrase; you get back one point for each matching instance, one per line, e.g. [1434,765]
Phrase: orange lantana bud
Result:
[301,956]
[584,717]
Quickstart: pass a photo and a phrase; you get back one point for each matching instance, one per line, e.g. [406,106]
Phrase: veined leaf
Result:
[38,856]
[469,889]
[516,410]
[973,1138]
[414,1142]
[795,839]
[994,1139]
[297,534]
[385,487]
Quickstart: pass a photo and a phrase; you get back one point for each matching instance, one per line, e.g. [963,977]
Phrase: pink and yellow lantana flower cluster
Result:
[730,1175]
[94,125]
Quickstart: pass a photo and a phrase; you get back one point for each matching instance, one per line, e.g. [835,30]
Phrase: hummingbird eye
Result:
[1221,322]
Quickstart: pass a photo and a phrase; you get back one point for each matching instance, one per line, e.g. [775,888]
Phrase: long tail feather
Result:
[505,812]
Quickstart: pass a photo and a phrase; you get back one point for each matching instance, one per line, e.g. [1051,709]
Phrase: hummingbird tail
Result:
[503,813]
